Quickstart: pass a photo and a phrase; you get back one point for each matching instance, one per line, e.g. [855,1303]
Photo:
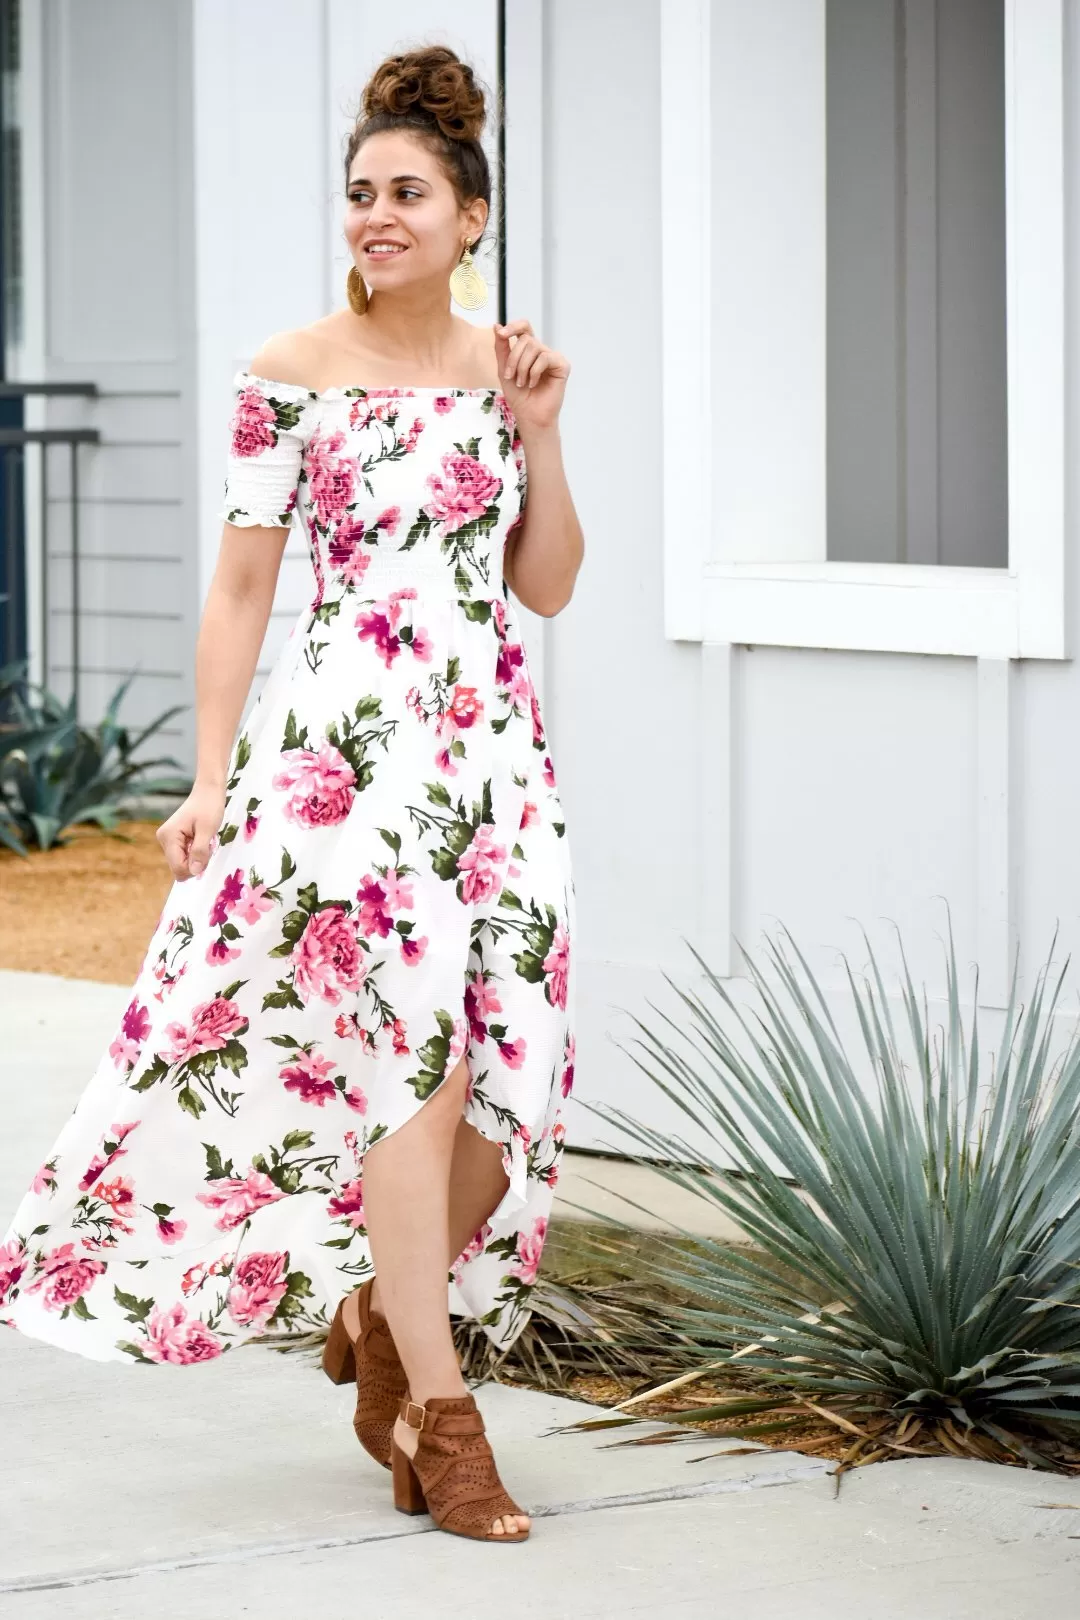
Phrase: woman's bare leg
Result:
[407,1213]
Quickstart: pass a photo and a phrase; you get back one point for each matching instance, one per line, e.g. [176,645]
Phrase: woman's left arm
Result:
[544,552]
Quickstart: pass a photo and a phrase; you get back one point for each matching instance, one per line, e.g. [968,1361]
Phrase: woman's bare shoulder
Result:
[293,357]
[485,357]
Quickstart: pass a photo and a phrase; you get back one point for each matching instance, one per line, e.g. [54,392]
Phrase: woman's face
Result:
[403,221]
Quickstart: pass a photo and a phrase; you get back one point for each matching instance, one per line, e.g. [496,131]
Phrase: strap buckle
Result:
[409,1405]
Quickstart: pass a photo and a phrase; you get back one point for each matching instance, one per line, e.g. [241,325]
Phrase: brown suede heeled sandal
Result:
[453,1475]
[361,1346]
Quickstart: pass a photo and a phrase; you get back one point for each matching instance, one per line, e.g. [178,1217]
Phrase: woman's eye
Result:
[363,196]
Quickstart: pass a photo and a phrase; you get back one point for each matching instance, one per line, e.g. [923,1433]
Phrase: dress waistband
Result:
[429,578]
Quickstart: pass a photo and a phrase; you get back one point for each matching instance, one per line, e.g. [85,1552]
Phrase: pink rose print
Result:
[412,950]
[308,1075]
[134,1028]
[327,956]
[459,1040]
[349,1203]
[171,1335]
[110,1149]
[253,424]
[228,895]
[379,623]
[481,999]
[474,1247]
[13,1258]
[253,902]
[549,773]
[465,707]
[64,1277]
[196,1275]
[347,557]
[355,1099]
[238,1197]
[568,1068]
[464,492]
[509,420]
[557,966]
[529,815]
[479,865]
[529,1249]
[331,477]
[45,1179]
[374,915]
[119,1194]
[259,1284]
[322,785]
[212,1024]
[443,403]
[398,1033]
[251,826]
[513,1052]
[170,1231]
[388,521]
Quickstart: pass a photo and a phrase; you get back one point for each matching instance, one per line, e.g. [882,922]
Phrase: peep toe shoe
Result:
[453,1475]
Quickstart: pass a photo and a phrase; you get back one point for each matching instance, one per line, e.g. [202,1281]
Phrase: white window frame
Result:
[1012,612]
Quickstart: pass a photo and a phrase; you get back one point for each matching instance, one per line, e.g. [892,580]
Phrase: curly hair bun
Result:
[432,84]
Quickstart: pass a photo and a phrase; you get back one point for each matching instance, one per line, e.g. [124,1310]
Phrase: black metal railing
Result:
[14,442]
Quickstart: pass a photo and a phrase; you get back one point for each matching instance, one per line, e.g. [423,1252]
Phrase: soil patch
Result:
[85,910]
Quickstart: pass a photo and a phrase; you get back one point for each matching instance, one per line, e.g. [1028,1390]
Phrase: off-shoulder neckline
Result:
[362,391]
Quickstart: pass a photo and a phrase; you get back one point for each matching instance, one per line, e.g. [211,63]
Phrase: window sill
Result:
[880,607]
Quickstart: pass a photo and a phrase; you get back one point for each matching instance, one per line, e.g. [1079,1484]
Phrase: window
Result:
[873,195]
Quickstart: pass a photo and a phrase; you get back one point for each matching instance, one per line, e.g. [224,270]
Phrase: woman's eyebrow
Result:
[361,180]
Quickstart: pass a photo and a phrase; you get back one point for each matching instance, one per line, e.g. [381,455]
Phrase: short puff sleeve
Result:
[267,432]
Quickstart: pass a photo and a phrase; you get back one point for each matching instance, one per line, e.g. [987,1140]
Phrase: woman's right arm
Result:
[230,635]
[264,466]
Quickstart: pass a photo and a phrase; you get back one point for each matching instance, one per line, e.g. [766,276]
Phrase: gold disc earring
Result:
[467,286]
[357,291]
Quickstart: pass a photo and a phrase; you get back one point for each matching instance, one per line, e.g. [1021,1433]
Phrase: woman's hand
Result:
[533,376]
[187,835]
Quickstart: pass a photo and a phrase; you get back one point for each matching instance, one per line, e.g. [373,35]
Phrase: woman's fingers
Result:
[174,839]
[185,840]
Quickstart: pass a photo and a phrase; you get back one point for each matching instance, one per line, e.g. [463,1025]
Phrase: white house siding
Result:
[711,792]
[109,203]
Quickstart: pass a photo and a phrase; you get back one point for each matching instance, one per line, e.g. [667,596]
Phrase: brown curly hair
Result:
[432,94]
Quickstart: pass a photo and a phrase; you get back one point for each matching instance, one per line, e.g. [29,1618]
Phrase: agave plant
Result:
[55,773]
[916,1228]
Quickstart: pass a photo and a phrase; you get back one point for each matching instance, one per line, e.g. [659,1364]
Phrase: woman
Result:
[348,1045]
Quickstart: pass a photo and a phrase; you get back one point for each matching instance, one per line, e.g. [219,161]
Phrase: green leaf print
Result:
[297,1139]
[284,995]
[368,708]
[294,738]
[391,838]
[529,966]
[137,1309]
[308,897]
[190,1102]
[437,793]
[461,579]
[478,612]
[81,1309]
[419,531]
[443,864]
[227,833]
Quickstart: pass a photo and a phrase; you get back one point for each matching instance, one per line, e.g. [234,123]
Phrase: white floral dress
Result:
[389,889]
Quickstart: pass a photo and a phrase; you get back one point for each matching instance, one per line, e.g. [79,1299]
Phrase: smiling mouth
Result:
[384,250]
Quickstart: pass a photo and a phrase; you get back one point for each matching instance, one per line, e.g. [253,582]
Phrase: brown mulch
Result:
[85,910]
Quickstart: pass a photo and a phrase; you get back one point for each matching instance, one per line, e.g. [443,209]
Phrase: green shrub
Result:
[918,1232]
[56,773]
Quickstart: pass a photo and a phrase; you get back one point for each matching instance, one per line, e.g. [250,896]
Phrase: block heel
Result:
[408,1491]
[339,1358]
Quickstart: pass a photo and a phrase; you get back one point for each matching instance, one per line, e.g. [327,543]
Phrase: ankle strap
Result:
[407,1409]
[444,1414]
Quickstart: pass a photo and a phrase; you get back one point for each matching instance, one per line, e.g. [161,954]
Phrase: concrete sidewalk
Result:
[237,1487]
